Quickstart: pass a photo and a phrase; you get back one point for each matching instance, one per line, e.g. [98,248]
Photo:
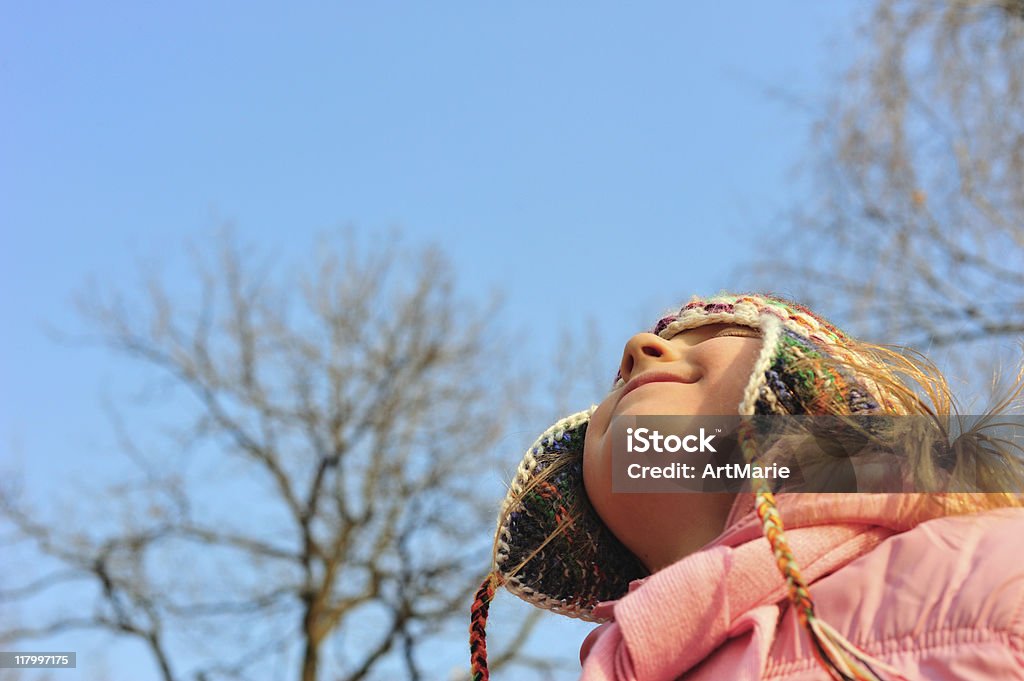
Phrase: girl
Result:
[711,586]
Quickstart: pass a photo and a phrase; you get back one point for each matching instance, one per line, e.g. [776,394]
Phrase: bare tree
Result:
[914,229]
[317,491]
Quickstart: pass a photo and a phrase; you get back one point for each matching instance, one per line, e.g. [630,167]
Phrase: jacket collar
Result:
[679,615]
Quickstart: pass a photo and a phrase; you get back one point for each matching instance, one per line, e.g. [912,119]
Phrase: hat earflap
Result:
[549,534]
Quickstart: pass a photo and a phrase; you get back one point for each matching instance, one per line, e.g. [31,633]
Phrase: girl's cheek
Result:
[596,473]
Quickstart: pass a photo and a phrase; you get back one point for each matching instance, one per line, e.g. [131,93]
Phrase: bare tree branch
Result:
[340,418]
[914,232]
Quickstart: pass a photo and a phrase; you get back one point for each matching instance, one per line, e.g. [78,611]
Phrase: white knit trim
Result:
[748,314]
[546,439]
[553,604]
[771,329]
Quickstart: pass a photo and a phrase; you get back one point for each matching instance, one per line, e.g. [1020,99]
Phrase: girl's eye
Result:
[742,331]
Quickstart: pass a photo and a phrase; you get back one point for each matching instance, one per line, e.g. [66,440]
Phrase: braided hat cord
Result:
[478,626]
[840,658]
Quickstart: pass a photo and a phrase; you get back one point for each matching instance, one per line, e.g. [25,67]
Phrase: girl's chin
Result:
[658,408]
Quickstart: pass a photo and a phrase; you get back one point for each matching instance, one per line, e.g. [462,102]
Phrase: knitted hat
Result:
[554,551]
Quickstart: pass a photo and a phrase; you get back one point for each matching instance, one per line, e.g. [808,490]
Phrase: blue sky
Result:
[586,159]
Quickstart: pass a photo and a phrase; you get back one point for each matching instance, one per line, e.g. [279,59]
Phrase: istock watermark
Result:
[641,440]
[821,454]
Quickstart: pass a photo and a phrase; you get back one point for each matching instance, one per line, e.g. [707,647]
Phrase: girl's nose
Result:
[643,350]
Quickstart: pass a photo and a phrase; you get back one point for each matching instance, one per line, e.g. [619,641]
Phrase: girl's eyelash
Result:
[744,331]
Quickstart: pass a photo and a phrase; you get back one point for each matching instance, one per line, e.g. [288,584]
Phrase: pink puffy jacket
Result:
[939,598]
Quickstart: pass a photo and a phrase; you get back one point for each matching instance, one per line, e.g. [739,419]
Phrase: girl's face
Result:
[698,372]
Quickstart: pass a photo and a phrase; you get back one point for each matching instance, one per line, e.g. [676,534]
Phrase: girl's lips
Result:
[651,377]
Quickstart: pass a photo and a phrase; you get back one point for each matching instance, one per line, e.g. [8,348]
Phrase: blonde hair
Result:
[962,464]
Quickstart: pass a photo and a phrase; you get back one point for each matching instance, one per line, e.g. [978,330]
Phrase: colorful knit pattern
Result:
[563,574]
[793,387]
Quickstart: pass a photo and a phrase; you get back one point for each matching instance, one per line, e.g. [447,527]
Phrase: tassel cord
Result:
[478,627]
